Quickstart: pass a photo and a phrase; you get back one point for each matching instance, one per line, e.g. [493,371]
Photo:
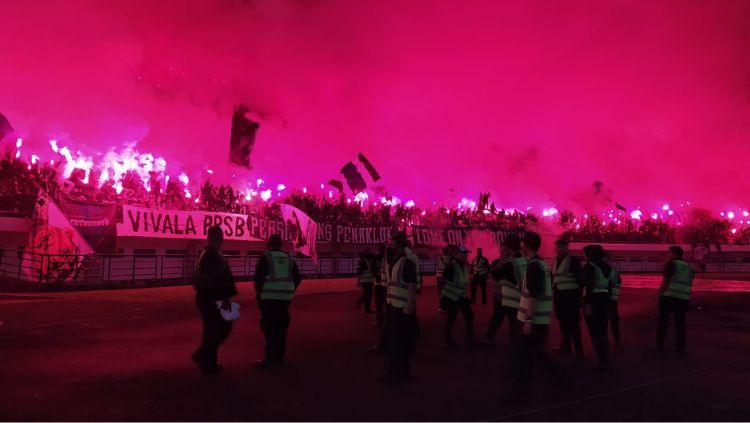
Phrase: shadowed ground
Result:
[123,355]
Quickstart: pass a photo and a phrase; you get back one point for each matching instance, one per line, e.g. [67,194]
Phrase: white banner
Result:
[305,229]
[155,223]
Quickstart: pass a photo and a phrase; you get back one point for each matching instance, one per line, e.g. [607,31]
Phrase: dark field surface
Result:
[123,355]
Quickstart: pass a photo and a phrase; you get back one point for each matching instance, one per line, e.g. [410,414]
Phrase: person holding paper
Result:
[214,286]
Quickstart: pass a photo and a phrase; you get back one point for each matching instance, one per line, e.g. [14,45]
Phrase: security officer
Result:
[674,298]
[454,291]
[443,262]
[276,280]
[366,277]
[213,282]
[381,285]
[413,257]
[507,272]
[401,303]
[597,299]
[566,289]
[614,313]
[534,313]
[480,267]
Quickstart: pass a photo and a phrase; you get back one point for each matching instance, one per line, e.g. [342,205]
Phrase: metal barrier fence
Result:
[129,269]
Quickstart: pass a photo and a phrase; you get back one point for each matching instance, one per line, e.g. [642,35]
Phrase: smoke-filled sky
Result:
[532,100]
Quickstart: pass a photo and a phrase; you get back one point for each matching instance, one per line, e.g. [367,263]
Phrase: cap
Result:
[562,242]
[533,240]
[462,249]
[513,242]
[594,252]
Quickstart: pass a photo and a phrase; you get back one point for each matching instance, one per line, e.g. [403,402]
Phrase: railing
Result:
[146,269]
[132,269]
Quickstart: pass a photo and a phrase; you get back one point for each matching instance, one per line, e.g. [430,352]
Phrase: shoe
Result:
[440,310]
[375,324]
[195,357]
[264,365]
[561,350]
[212,370]
[376,350]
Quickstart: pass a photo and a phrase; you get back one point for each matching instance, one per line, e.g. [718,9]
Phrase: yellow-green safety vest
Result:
[482,269]
[511,292]
[398,289]
[601,282]
[680,284]
[456,288]
[413,257]
[365,278]
[562,278]
[278,285]
[616,283]
[537,309]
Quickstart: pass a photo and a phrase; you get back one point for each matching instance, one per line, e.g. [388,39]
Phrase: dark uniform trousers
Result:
[530,351]
[366,298]
[568,313]
[380,295]
[499,314]
[274,322]
[597,323]
[452,308]
[215,332]
[481,282]
[399,339]
[669,306]
[614,321]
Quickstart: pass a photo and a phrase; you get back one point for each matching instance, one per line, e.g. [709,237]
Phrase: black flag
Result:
[336,184]
[370,168]
[353,178]
[5,127]
[242,138]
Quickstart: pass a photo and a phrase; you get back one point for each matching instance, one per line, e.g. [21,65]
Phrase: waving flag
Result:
[370,168]
[5,127]
[242,138]
[353,178]
[304,230]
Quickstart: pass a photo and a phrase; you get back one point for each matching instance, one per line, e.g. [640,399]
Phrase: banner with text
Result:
[94,221]
[424,236]
[155,223]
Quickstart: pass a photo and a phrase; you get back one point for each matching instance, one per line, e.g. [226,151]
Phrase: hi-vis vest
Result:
[365,278]
[398,289]
[413,257]
[616,282]
[481,266]
[680,283]
[601,281]
[279,284]
[455,289]
[537,309]
[562,278]
[385,275]
[511,292]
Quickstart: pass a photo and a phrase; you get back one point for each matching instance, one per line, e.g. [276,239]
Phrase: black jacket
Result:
[213,280]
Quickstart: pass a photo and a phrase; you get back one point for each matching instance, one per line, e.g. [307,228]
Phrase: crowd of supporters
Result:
[20,182]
